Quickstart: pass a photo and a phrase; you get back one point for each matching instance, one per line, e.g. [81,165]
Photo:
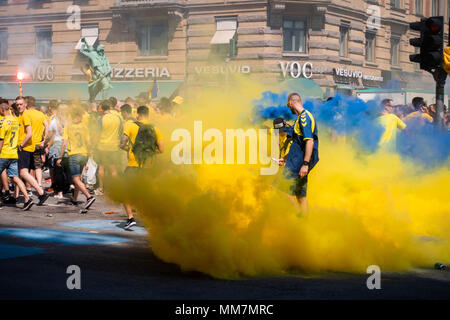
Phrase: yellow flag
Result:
[446,64]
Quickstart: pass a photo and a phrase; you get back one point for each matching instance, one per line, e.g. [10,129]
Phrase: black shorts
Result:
[38,152]
[26,160]
[299,187]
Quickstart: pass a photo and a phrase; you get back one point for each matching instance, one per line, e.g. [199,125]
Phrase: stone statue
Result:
[100,70]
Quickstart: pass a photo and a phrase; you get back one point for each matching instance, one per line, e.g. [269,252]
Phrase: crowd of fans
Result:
[62,136]
[418,109]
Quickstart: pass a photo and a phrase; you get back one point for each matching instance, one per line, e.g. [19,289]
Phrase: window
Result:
[153,38]
[294,35]
[395,4]
[343,41]
[3,44]
[418,7]
[435,7]
[224,41]
[370,46]
[44,42]
[395,43]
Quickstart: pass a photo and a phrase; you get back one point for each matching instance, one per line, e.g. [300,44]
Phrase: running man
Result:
[9,138]
[26,148]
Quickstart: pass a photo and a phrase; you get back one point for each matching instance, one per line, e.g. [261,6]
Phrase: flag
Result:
[153,91]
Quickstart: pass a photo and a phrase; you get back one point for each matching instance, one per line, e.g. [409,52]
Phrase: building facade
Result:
[341,45]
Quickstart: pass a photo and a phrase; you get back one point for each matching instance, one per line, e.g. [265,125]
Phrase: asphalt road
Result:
[38,246]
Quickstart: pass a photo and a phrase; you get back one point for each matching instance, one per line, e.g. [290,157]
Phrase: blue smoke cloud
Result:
[352,117]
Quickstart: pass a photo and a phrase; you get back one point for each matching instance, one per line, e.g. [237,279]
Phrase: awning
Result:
[345,86]
[223,36]
[45,91]
[90,34]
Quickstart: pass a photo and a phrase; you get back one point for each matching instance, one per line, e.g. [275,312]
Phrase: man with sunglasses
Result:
[304,150]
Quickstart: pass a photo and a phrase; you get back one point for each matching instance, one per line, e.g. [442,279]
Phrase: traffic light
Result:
[430,42]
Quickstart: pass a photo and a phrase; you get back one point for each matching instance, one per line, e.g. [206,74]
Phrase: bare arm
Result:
[160,146]
[308,149]
[61,152]
[45,133]
[308,153]
[124,142]
[50,138]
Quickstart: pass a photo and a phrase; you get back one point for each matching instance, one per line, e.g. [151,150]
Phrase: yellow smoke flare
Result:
[229,221]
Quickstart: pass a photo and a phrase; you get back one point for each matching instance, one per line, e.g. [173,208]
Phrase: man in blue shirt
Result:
[304,152]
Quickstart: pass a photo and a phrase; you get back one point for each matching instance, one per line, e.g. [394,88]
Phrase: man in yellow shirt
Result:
[9,137]
[39,125]
[107,153]
[76,138]
[420,114]
[127,114]
[390,124]
[137,163]
[130,101]
[26,148]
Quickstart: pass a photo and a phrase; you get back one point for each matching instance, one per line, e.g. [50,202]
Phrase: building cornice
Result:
[45,17]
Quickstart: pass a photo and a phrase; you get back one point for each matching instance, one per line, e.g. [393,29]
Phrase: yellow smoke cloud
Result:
[229,221]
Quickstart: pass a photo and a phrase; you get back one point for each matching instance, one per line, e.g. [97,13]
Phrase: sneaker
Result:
[5,196]
[43,198]
[74,203]
[89,202]
[30,193]
[98,192]
[10,200]
[27,205]
[58,196]
[129,224]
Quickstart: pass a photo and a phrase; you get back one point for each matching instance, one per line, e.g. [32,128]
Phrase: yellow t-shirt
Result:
[117,113]
[131,131]
[85,119]
[24,121]
[9,133]
[77,137]
[390,122]
[419,115]
[37,123]
[109,133]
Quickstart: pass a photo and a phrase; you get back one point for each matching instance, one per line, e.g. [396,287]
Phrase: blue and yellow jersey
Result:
[9,134]
[305,126]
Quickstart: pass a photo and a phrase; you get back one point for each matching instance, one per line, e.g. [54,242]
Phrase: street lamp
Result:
[20,76]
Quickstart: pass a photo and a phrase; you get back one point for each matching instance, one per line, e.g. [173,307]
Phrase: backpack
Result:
[145,144]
